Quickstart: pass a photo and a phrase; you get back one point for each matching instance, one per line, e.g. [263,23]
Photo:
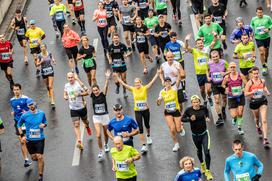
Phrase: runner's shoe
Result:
[89,131]
[210,101]
[125,94]
[259,131]
[176,147]
[203,167]
[106,148]
[264,71]
[27,163]
[265,142]
[174,17]
[182,133]
[57,34]
[240,131]
[219,122]
[79,145]
[117,90]
[74,22]
[144,149]
[100,154]
[179,23]
[148,140]
[208,174]
[233,121]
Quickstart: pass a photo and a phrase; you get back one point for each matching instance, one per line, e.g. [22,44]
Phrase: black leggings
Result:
[203,141]
[103,32]
[139,116]
[176,7]
[128,179]
[60,26]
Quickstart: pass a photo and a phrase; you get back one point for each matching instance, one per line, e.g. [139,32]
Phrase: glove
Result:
[256,177]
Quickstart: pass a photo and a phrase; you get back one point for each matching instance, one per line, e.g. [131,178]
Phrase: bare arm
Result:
[110,135]
[153,80]
[106,86]
[124,84]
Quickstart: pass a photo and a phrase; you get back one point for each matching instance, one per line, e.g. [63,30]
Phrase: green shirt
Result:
[160,4]
[259,24]
[201,58]
[59,8]
[151,22]
[206,32]
[245,51]
[124,171]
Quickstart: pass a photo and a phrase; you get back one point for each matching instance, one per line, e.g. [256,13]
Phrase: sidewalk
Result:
[5,25]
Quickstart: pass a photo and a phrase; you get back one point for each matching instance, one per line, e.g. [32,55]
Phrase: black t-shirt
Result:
[99,104]
[165,30]
[117,52]
[217,12]
[199,125]
[89,52]
[141,38]
[109,8]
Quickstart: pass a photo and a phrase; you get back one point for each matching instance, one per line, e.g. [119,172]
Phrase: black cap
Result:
[167,79]
[173,34]
[117,107]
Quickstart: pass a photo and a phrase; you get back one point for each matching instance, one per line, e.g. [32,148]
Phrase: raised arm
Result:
[106,86]
[123,83]
[154,79]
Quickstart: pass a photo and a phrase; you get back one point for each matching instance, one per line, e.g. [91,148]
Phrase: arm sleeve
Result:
[236,50]
[232,35]
[258,164]
[227,171]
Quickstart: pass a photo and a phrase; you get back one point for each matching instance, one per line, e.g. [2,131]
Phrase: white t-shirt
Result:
[75,102]
[171,70]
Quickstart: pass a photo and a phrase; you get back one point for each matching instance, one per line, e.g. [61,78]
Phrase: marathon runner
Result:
[101,115]
[198,9]
[45,60]
[241,29]
[58,12]
[80,14]
[245,52]
[143,8]
[257,91]
[198,115]
[19,107]
[261,25]
[55,27]
[160,7]
[176,11]
[19,24]
[6,59]
[233,83]
[35,122]
[70,6]
[123,158]
[74,91]
[35,35]
[242,164]
[123,126]
[111,8]
[141,107]
[87,53]
[217,69]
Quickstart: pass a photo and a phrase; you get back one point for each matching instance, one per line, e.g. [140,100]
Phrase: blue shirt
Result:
[244,165]
[32,123]
[182,175]
[18,106]
[124,125]
[175,48]
[238,32]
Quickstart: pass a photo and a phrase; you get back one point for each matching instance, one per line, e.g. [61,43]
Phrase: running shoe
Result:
[176,147]
[241,132]
[219,122]
[144,149]
[208,174]
[149,140]
[182,133]
[233,121]
[106,148]
[27,163]
[117,90]
[77,70]
[265,142]
[38,73]
[210,101]
[203,167]
[125,94]
[40,179]
[264,71]
[100,154]
[79,145]
[174,17]
[74,22]
[89,131]
[179,23]
[57,34]
[205,103]
[259,130]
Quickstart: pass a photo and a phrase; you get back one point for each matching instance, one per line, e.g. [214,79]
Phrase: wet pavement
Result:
[160,163]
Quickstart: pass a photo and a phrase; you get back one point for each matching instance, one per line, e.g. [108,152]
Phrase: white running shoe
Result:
[107,148]
[144,149]
[149,140]
[100,155]
[176,147]
[182,133]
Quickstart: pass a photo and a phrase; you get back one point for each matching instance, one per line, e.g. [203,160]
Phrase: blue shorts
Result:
[202,79]
[152,40]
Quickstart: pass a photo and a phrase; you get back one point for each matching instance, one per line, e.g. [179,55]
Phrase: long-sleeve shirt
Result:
[242,167]
[238,32]
[70,39]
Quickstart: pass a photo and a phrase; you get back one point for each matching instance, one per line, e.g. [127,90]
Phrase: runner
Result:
[188,172]
[6,60]
[219,13]
[141,107]
[70,5]
[74,91]
[101,115]
[241,29]
[19,24]
[233,83]
[100,16]
[257,91]
[243,3]
[111,8]
[176,10]
[123,158]
[88,54]
[140,34]
[201,56]
[35,35]
[242,164]
[2,131]
[45,60]
[19,106]
[217,69]
[160,7]
[80,14]
[116,55]
[162,31]
[151,21]
[172,108]
[35,122]
[58,11]
[261,25]
[122,125]
[127,15]
[245,52]
[198,9]
[142,7]
[198,115]
[70,39]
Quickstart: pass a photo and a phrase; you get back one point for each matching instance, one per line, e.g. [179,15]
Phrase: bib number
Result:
[21,31]
[109,14]
[59,16]
[142,5]
[35,42]
[247,56]
[117,62]
[217,19]
[5,56]
[126,19]
[34,133]
[258,93]
[217,77]
[78,3]
[72,96]
[121,166]
[102,21]
[151,31]
[171,107]
[88,62]
[260,30]
[99,108]
[243,177]
[236,91]
[140,39]
[164,34]
[47,70]
[141,105]
[177,55]
[201,61]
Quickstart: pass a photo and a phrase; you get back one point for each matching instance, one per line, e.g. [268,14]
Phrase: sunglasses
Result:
[117,110]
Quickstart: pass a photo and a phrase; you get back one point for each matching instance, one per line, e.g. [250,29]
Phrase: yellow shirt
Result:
[140,98]
[201,60]
[170,99]
[58,11]
[34,35]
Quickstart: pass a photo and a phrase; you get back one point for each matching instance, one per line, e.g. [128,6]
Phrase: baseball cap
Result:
[32,22]
[160,15]
[194,97]
[239,19]
[167,79]
[117,107]
[30,102]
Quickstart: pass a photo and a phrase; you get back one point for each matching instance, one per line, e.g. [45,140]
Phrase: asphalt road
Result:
[160,163]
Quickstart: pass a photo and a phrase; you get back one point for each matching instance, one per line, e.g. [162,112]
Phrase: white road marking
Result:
[195,30]
[95,42]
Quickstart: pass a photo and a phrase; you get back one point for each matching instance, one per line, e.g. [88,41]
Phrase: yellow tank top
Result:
[170,99]
[140,98]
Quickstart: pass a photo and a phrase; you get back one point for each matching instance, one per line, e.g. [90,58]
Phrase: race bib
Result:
[141,105]
[217,19]
[258,93]
[236,91]
[117,62]
[88,62]
[151,31]
[202,61]
[247,56]
[243,177]
[164,34]
[140,39]
[124,139]
[126,19]
[109,14]
[102,21]
[78,3]
[5,56]
[72,96]
[34,133]
[121,166]
[47,70]
[177,55]
[99,108]
[260,30]
[21,31]
[142,5]
[171,107]
[217,77]
[35,42]
[59,16]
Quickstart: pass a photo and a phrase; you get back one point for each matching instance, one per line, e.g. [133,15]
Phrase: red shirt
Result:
[78,5]
[5,49]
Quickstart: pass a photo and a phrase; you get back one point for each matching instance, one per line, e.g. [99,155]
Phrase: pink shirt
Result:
[66,39]
[101,20]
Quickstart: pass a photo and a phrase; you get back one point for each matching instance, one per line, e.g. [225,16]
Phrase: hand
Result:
[2,131]
[83,56]
[188,37]
[208,119]
[125,134]
[193,117]
[266,30]
[65,97]
[129,160]
[236,42]
[42,126]
[114,169]
[159,71]
[256,177]
[214,33]
[209,79]
[23,139]
[108,73]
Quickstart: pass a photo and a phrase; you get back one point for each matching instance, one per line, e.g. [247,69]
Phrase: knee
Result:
[264,121]
[217,101]
[40,157]
[207,152]
[262,52]
[98,136]
[34,157]
[77,124]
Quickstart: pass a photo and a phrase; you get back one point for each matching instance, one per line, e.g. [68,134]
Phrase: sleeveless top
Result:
[235,86]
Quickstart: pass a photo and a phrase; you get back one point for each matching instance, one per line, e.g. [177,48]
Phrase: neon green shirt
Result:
[160,4]
[206,32]
[246,51]
[124,171]
[259,24]
[201,59]
[58,10]
[151,22]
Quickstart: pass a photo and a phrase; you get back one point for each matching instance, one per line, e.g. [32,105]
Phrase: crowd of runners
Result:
[145,27]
